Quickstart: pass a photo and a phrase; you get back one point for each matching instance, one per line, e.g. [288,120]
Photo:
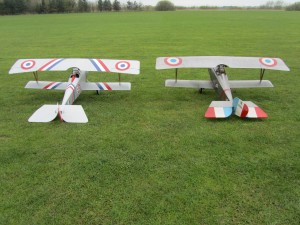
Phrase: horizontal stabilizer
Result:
[219,109]
[247,109]
[214,61]
[63,64]
[103,86]
[73,114]
[50,85]
[44,114]
[189,83]
[68,113]
[250,83]
[254,111]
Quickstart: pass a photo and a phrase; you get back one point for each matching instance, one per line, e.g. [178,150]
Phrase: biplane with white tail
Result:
[76,83]
[219,81]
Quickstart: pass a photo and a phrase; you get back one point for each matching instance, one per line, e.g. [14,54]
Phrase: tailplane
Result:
[67,113]
[219,109]
[243,109]
[247,109]
[44,114]
[73,114]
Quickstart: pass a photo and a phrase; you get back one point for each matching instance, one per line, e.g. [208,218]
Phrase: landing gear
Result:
[98,92]
[201,90]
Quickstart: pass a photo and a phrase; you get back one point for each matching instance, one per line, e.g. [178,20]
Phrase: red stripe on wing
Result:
[107,86]
[103,65]
[48,85]
[47,64]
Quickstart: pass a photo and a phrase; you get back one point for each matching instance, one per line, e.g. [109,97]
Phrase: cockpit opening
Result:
[75,74]
[221,69]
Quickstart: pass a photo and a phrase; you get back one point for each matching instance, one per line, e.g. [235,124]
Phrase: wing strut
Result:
[176,74]
[119,77]
[36,77]
[262,72]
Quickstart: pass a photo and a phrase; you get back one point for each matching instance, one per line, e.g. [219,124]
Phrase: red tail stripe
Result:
[210,113]
[245,111]
[260,113]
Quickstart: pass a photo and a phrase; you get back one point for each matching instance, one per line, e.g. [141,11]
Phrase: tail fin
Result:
[240,108]
[247,109]
[219,109]
[67,113]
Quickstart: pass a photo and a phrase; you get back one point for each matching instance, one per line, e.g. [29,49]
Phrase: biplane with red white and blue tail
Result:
[221,84]
[76,83]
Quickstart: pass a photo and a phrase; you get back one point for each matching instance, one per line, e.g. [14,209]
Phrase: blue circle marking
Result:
[268,60]
[122,65]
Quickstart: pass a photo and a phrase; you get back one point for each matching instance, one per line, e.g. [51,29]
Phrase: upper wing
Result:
[213,61]
[61,64]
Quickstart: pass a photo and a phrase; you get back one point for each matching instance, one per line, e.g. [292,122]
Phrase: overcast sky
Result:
[211,2]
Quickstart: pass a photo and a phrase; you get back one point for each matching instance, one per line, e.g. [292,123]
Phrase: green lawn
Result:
[149,156]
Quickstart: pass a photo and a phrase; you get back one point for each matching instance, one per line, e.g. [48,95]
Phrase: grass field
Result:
[149,156]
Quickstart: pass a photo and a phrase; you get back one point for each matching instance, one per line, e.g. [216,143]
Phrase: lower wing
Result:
[105,86]
[189,83]
[47,85]
[250,83]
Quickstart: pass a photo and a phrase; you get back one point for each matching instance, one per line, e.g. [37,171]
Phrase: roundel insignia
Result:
[28,64]
[122,65]
[268,62]
[173,61]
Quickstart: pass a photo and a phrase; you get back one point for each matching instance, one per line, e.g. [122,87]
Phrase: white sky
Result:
[211,2]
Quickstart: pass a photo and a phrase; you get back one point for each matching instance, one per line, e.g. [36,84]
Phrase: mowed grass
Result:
[149,156]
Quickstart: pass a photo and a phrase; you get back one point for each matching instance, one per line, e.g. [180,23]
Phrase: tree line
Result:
[13,7]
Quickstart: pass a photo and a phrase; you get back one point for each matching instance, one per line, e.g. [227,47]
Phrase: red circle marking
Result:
[173,64]
[273,61]
[25,67]
[118,67]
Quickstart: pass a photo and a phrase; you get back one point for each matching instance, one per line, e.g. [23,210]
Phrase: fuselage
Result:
[73,90]
[220,82]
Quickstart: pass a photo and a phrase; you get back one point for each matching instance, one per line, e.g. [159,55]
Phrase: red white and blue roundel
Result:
[123,65]
[268,62]
[28,64]
[173,61]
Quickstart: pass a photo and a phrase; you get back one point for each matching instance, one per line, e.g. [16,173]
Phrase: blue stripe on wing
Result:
[54,64]
[95,65]
[100,87]
[56,85]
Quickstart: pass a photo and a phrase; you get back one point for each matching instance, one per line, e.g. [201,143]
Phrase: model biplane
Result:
[219,81]
[76,83]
